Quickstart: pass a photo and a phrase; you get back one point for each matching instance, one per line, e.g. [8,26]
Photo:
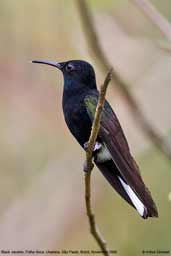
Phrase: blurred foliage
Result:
[106,5]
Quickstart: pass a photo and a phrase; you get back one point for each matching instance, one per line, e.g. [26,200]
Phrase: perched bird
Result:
[111,153]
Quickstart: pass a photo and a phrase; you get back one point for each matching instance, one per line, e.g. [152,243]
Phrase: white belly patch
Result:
[103,155]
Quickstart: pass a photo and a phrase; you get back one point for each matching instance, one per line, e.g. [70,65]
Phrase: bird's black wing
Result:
[112,135]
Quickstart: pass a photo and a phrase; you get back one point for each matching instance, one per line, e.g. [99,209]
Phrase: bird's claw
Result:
[85,167]
[97,146]
[86,145]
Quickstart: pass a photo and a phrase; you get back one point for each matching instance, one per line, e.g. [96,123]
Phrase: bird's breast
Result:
[77,120]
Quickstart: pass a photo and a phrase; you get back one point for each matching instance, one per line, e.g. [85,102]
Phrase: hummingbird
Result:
[111,153]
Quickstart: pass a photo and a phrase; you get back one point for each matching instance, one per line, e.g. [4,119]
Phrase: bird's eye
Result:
[70,67]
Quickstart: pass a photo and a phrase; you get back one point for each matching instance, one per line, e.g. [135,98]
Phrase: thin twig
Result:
[89,166]
[98,53]
[155,16]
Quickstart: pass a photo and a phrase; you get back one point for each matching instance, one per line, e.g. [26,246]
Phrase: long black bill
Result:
[50,63]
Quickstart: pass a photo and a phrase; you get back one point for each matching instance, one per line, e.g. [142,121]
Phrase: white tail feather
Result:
[135,200]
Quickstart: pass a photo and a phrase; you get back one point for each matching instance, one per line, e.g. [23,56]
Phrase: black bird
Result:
[112,155]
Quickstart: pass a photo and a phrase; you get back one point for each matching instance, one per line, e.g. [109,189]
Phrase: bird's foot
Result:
[86,168]
[86,146]
[97,146]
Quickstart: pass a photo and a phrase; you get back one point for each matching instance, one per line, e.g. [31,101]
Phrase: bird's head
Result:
[77,73]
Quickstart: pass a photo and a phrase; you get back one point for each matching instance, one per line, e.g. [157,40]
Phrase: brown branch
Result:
[89,166]
[98,53]
[155,16]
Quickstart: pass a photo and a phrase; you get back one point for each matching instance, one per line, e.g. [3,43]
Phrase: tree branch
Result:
[155,16]
[89,166]
[97,53]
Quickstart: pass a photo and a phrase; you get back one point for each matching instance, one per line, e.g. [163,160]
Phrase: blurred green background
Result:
[41,179]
